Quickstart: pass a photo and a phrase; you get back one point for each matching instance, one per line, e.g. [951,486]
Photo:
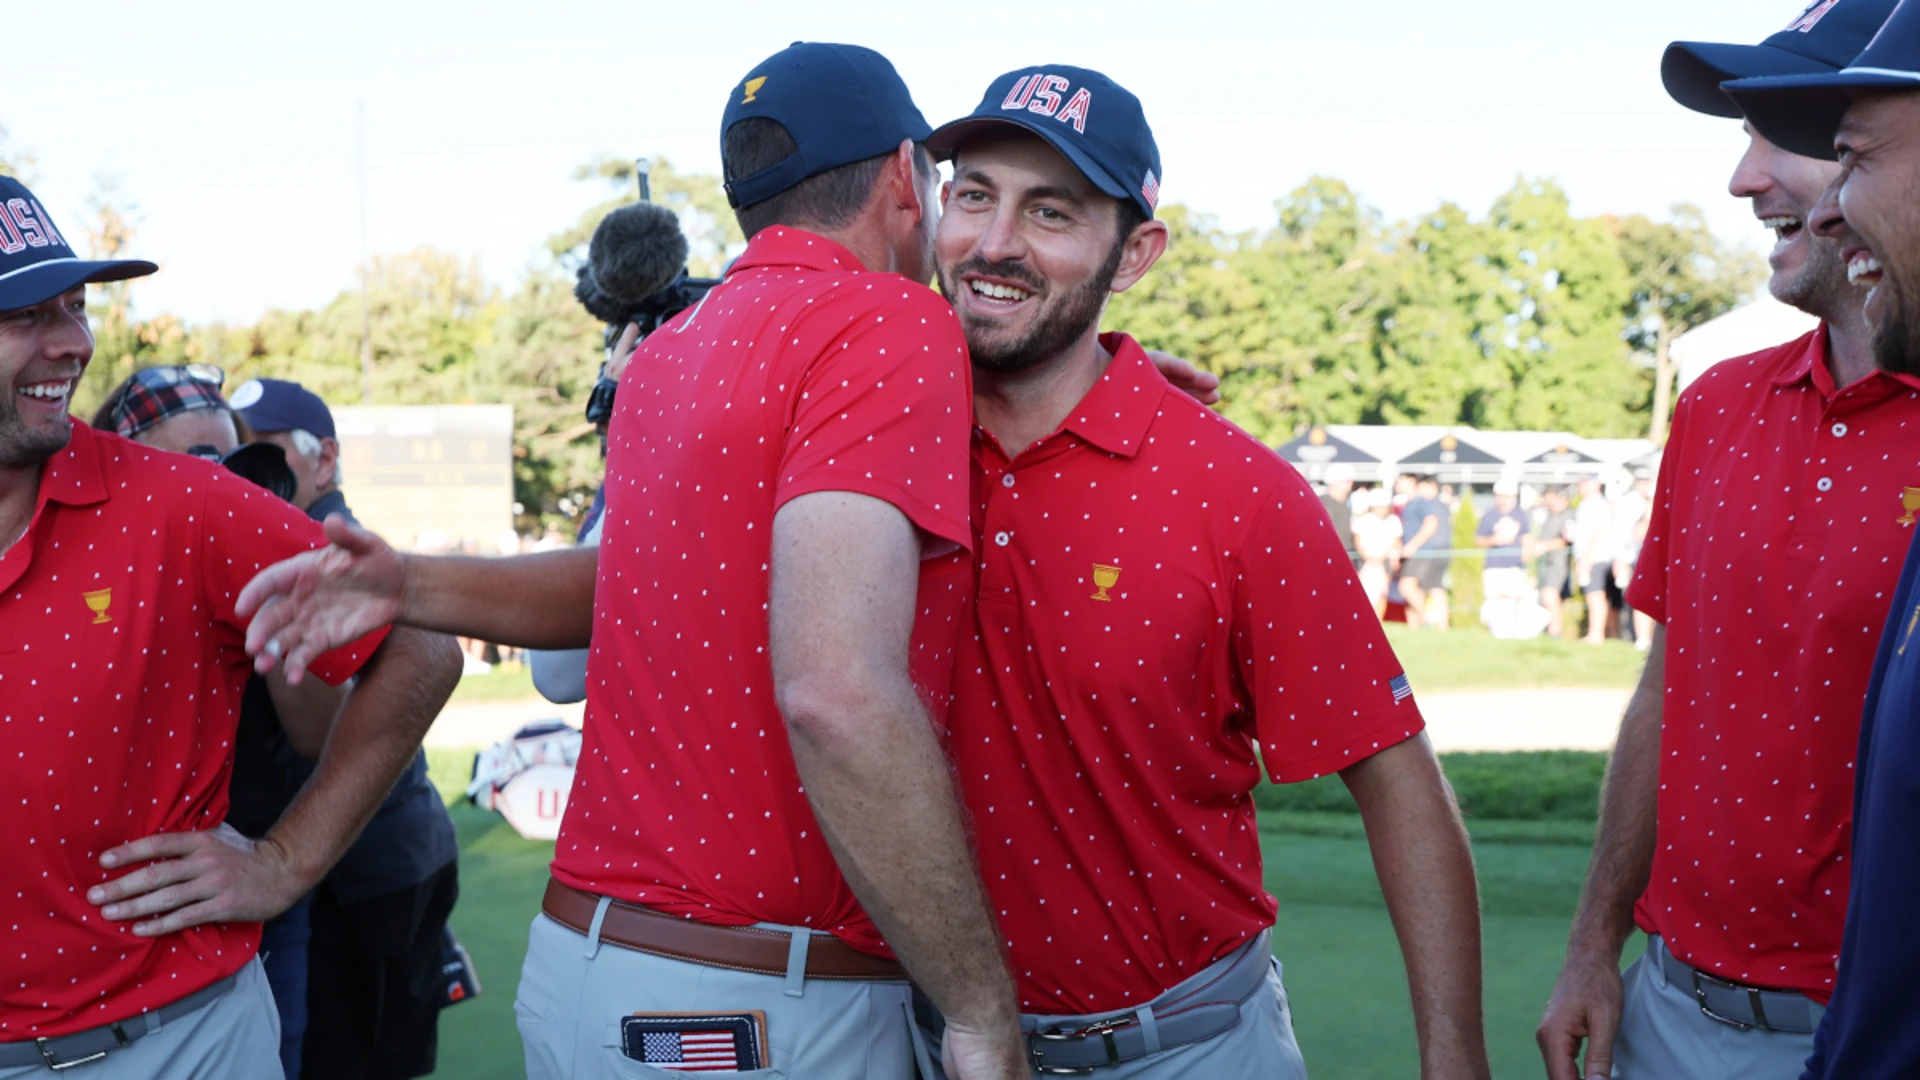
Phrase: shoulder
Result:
[1225,460]
[1733,383]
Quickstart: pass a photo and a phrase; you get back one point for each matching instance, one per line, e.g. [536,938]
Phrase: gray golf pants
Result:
[1665,1036]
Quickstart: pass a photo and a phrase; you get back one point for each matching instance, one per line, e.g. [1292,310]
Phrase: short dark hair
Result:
[827,200]
[1129,217]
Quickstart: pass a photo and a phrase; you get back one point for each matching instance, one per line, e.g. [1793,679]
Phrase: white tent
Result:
[1759,325]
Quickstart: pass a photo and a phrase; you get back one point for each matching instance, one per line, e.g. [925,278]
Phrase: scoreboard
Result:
[432,476]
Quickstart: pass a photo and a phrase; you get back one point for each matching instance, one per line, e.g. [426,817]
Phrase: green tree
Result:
[713,234]
[1682,275]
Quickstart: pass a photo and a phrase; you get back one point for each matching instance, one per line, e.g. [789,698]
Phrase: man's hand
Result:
[622,352]
[1201,386]
[1586,1005]
[975,1055]
[322,599]
[195,878]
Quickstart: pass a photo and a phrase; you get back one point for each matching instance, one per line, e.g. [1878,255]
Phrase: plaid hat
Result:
[36,263]
[155,393]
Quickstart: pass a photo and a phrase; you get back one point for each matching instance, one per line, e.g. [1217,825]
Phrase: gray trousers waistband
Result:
[65,1051]
[1736,1004]
[1204,1005]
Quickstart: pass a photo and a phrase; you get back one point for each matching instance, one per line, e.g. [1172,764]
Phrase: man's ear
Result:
[902,185]
[325,466]
[1143,248]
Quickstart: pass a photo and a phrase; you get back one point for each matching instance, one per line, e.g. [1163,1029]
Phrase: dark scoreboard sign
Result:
[429,476]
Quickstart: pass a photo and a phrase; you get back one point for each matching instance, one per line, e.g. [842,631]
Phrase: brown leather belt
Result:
[736,948]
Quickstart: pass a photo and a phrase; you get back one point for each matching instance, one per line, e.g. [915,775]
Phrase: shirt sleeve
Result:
[1647,592]
[886,411]
[244,530]
[1324,686]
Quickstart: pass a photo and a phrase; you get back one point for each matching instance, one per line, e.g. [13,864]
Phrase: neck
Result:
[1021,408]
[19,490]
[1849,344]
[867,243]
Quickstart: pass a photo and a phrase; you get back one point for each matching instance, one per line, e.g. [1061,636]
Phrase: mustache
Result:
[1012,271]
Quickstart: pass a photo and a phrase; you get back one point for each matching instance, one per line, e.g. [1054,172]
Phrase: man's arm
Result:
[325,598]
[845,578]
[306,712]
[1587,1000]
[218,876]
[1425,865]
[1424,534]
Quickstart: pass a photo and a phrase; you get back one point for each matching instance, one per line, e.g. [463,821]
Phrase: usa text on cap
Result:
[1822,38]
[1802,113]
[36,262]
[841,104]
[1093,121]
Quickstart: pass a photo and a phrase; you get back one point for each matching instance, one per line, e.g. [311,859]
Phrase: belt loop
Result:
[593,930]
[1657,959]
[797,961]
[1149,1028]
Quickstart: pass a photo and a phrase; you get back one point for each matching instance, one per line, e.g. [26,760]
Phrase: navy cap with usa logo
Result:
[1093,121]
[1824,37]
[841,104]
[36,262]
[1802,113]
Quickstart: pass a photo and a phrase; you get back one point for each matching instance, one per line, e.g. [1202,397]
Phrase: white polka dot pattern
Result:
[800,373]
[1169,592]
[1774,549]
[121,671]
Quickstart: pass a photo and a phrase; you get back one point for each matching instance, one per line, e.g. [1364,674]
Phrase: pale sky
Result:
[233,124]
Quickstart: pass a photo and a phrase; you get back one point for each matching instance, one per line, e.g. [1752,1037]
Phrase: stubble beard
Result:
[1893,344]
[22,446]
[1057,326]
[1820,287]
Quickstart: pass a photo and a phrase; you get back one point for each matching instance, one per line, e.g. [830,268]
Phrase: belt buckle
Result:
[1753,998]
[56,1065]
[1104,1029]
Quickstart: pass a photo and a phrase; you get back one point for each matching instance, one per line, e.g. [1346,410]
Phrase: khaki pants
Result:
[574,994]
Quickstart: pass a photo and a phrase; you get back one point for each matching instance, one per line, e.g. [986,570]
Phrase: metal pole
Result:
[366,315]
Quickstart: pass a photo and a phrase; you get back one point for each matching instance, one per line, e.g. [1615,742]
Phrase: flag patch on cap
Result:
[1402,689]
[1811,17]
[696,1042]
[1150,190]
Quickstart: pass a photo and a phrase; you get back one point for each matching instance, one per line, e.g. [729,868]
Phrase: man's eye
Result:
[1048,213]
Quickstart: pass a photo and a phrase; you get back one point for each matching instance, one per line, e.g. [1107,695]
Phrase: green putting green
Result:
[1342,964]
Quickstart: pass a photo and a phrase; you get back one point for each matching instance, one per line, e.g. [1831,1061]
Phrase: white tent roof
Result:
[1761,324]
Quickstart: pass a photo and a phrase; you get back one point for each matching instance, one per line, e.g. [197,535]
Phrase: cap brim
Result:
[947,138]
[42,281]
[1801,114]
[1693,71]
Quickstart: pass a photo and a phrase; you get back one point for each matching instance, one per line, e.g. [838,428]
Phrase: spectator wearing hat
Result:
[1868,114]
[1768,563]
[380,918]
[135,912]
[1552,544]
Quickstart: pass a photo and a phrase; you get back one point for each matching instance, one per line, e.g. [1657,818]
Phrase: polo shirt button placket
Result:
[1002,538]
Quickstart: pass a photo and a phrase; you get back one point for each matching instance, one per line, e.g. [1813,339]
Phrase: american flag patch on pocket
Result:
[1402,689]
[696,1042]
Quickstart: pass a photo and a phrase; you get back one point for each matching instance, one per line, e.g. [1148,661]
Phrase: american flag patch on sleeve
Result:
[1402,689]
[696,1042]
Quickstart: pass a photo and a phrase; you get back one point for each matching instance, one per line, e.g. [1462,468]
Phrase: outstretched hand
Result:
[195,878]
[321,599]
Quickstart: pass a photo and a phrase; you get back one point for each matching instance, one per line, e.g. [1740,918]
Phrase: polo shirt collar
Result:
[72,477]
[1810,365]
[790,248]
[1117,412]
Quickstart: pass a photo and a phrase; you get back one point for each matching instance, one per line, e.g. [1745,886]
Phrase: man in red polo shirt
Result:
[1771,556]
[1163,609]
[122,663]
[778,586]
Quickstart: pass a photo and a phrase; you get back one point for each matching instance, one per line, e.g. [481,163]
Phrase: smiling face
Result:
[1028,251]
[44,349]
[1872,214]
[1783,187]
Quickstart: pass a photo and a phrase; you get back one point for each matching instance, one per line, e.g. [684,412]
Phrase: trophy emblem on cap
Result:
[1104,578]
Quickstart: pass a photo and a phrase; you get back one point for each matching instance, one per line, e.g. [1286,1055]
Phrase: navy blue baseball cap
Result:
[1093,121]
[36,262]
[1821,39]
[1802,113]
[269,405]
[841,104]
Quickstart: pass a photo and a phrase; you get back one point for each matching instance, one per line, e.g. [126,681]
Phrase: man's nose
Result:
[1826,220]
[1001,242]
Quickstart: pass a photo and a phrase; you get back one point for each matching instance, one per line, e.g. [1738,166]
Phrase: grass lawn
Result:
[1476,660]
[501,684]
[1342,965]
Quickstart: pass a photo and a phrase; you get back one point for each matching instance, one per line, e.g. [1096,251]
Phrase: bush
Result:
[1541,785]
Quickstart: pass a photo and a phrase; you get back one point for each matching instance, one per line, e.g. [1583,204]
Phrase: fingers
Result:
[345,534]
[1559,1047]
[157,846]
[1600,1048]
[198,914]
[273,581]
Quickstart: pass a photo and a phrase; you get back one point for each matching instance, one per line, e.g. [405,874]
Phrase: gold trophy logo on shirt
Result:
[1104,578]
[1910,500]
[98,601]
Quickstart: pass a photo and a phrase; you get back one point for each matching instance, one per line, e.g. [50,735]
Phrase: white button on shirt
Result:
[1006,480]
[1825,483]
[1839,431]
[1002,539]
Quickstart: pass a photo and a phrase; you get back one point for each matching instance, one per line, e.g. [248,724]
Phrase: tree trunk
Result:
[1662,380]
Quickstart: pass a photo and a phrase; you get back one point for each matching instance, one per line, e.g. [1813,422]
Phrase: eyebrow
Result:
[1045,191]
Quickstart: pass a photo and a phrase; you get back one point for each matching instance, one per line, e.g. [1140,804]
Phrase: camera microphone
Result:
[636,251]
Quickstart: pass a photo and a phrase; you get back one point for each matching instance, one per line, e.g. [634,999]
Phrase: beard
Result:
[1820,286]
[1893,344]
[22,446]
[1057,324]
